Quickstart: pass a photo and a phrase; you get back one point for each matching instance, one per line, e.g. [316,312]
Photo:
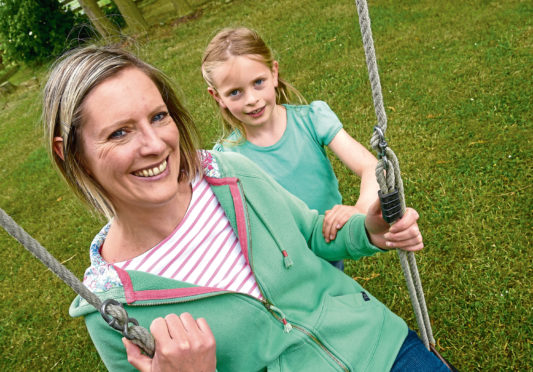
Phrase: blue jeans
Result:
[338,264]
[414,356]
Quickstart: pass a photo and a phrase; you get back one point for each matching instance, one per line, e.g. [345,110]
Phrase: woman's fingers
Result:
[405,234]
[183,344]
[137,359]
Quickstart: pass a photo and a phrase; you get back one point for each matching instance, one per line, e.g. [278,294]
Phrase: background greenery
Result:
[457,86]
[33,31]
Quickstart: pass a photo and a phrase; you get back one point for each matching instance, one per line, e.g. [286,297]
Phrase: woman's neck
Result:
[271,132]
[133,233]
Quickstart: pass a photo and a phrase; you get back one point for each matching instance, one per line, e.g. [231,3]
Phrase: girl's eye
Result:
[259,82]
[117,134]
[160,116]
[234,93]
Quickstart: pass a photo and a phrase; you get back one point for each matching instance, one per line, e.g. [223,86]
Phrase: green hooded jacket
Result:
[313,318]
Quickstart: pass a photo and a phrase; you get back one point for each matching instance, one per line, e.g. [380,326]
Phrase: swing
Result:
[391,193]
[392,201]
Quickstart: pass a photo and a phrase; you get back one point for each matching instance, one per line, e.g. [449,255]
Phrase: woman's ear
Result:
[58,147]
[275,70]
[213,92]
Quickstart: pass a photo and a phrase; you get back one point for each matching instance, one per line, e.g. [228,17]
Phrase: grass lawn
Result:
[457,87]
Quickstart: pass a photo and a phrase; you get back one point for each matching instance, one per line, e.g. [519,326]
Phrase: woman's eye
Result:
[160,116]
[259,82]
[117,134]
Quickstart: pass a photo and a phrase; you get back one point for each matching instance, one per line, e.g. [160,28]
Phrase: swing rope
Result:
[389,177]
[112,311]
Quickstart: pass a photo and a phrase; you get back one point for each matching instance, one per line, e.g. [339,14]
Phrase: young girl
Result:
[287,141]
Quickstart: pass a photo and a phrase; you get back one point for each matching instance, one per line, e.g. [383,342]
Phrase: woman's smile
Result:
[152,170]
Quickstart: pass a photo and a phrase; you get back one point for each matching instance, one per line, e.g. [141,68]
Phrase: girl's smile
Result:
[257,113]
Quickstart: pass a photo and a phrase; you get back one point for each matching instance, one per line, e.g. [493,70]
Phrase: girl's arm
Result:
[357,158]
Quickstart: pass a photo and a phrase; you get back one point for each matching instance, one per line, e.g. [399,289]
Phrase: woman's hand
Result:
[182,344]
[403,234]
[335,218]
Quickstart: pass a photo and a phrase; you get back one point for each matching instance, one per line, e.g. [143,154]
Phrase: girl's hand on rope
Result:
[335,218]
[182,344]
[403,234]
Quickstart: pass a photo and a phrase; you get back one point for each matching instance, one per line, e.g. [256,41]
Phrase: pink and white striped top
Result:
[203,249]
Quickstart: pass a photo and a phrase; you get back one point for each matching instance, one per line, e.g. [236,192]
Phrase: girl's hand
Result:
[182,344]
[335,218]
[403,234]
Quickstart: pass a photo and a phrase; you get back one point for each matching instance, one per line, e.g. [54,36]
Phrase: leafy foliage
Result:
[32,30]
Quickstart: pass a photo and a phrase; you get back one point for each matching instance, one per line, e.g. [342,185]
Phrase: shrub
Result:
[36,31]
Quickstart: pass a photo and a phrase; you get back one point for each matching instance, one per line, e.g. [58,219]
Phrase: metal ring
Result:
[113,322]
[109,319]
[125,330]
[380,132]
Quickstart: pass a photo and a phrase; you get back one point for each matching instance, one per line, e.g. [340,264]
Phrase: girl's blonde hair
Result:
[70,80]
[242,41]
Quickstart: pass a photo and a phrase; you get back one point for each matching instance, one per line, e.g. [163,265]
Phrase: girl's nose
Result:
[150,141]
[251,98]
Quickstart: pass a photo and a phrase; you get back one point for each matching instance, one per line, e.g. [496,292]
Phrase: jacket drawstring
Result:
[286,259]
[287,327]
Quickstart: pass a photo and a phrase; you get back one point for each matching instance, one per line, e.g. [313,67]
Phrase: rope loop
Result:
[379,143]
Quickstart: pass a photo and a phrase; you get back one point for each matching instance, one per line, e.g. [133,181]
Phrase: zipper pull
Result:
[287,327]
[286,259]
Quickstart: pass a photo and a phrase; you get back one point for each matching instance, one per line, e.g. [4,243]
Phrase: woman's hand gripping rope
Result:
[182,344]
[403,234]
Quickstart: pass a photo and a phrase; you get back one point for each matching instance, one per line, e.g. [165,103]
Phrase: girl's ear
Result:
[58,147]
[275,68]
[213,92]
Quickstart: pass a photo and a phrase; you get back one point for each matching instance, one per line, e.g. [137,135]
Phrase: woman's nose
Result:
[150,141]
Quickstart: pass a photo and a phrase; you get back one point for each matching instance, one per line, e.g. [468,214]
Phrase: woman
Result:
[209,237]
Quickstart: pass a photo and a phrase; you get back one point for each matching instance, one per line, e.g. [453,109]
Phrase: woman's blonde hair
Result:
[242,41]
[70,80]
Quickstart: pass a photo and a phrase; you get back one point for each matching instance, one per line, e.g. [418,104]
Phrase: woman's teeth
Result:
[152,171]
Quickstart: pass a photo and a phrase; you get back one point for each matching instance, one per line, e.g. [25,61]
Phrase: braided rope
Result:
[388,174]
[139,335]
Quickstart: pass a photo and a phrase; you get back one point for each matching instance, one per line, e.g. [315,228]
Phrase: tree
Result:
[102,24]
[132,15]
[32,30]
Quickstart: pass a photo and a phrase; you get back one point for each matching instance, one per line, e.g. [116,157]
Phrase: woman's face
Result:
[130,144]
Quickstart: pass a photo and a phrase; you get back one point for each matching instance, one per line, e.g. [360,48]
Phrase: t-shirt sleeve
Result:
[218,147]
[324,122]
[230,144]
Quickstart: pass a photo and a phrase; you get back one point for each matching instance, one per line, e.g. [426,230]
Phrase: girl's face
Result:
[247,88]
[130,144]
